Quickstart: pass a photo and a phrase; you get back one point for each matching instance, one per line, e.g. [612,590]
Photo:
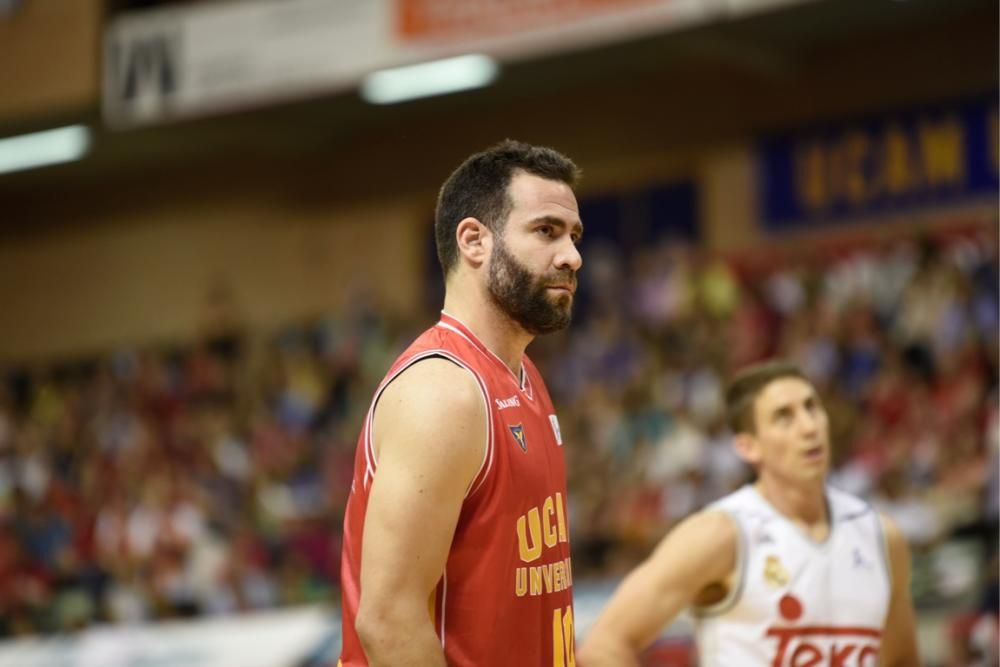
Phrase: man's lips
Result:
[564,287]
[813,452]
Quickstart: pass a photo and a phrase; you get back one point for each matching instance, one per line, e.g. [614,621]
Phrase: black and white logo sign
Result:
[142,73]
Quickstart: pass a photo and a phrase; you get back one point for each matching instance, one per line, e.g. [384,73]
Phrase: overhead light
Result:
[38,149]
[436,77]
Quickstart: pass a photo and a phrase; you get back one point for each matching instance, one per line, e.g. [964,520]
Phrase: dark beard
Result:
[523,298]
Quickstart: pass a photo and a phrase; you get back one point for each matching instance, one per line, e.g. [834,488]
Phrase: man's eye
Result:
[545,230]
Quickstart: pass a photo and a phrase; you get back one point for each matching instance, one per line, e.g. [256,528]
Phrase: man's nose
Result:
[808,422]
[569,257]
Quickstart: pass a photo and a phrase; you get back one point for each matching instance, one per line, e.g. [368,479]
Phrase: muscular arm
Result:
[899,637]
[699,552]
[429,433]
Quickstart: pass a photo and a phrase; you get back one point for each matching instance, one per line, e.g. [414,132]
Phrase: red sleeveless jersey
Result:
[505,596]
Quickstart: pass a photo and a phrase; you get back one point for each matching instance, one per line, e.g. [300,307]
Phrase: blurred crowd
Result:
[900,340]
[163,482]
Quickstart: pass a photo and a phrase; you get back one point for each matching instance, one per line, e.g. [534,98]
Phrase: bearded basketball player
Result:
[456,550]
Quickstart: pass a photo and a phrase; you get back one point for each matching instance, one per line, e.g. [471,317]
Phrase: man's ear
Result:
[474,240]
[747,447]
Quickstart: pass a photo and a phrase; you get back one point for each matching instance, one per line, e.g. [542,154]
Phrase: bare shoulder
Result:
[898,548]
[435,381]
[710,528]
[894,538]
[707,541]
[693,560]
[434,403]
[899,638]
[893,535]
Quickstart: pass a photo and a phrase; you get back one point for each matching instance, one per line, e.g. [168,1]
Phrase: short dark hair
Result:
[741,395]
[478,189]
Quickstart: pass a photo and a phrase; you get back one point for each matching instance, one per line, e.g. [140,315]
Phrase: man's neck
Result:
[495,329]
[804,505]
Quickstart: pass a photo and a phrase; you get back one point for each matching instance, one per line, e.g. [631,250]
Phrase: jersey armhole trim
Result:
[736,590]
[444,604]
[371,462]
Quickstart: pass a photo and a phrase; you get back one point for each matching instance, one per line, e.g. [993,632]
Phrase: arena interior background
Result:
[194,313]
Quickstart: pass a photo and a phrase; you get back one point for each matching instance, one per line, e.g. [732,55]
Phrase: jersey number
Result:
[563,638]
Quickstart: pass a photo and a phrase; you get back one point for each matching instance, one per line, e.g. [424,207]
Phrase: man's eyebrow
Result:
[781,410]
[558,222]
[787,408]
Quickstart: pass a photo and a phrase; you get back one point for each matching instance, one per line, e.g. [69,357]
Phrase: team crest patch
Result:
[775,573]
[518,432]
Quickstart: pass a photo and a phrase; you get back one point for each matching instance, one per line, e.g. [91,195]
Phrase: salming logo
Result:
[504,403]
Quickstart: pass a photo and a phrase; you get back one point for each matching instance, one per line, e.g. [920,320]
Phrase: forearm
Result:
[389,642]
[908,657]
[606,653]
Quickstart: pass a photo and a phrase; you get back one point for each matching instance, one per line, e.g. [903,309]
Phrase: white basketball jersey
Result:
[796,602]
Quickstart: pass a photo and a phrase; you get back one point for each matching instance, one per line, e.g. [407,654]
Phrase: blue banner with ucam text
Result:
[889,164]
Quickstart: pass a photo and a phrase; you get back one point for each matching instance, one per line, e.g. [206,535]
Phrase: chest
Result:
[792,579]
[527,439]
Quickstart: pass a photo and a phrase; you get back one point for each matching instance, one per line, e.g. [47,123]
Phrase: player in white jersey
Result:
[785,572]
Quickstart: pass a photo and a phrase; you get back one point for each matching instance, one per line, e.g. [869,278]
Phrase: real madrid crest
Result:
[775,573]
